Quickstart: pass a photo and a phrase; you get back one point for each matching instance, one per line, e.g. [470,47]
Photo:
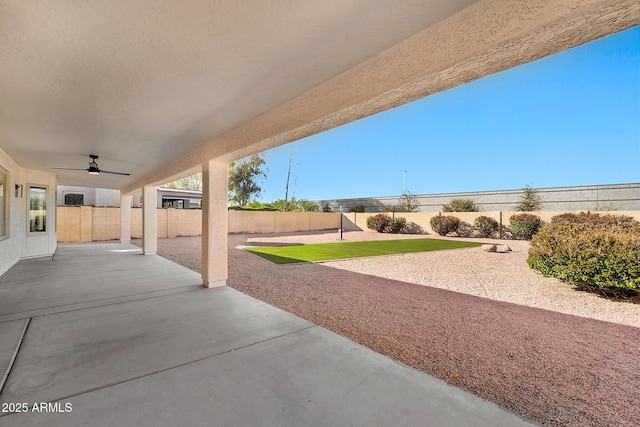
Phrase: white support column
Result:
[149,220]
[125,219]
[215,225]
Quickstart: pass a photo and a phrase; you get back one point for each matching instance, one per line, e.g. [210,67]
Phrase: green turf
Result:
[342,250]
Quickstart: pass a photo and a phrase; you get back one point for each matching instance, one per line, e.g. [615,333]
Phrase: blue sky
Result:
[569,119]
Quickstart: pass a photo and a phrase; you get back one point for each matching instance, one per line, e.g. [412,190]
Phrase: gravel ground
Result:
[481,321]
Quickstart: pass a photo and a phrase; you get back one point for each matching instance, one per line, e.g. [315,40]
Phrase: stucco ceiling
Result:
[141,83]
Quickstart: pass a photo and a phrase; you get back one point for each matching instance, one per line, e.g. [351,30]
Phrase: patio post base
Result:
[214,284]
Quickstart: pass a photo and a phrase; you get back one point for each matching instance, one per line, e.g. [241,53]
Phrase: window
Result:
[74,199]
[3,206]
[37,209]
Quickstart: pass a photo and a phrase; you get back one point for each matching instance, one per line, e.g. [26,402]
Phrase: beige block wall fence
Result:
[86,223]
[422,219]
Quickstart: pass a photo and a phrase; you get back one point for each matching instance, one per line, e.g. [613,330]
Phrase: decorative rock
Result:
[503,248]
[488,248]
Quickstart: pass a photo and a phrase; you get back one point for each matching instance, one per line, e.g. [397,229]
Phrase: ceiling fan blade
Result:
[71,169]
[115,173]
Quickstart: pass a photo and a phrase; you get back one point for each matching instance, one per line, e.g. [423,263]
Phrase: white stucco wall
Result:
[16,244]
[11,246]
[107,198]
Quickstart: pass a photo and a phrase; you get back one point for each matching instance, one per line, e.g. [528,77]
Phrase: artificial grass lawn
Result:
[342,250]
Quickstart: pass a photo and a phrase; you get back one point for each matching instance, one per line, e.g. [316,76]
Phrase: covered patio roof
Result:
[156,88]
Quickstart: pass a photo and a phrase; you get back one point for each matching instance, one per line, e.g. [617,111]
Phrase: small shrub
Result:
[444,224]
[396,225]
[461,205]
[524,226]
[384,224]
[464,229]
[589,249]
[378,222]
[485,226]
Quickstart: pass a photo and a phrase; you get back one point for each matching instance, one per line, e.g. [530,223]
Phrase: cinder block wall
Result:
[624,197]
[106,223]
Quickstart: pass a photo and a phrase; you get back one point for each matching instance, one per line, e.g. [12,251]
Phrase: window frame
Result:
[46,210]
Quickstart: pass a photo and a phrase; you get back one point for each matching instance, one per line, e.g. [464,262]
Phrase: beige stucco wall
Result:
[86,223]
[422,219]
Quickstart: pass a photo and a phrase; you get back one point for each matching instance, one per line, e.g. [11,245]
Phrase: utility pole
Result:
[286,188]
[404,187]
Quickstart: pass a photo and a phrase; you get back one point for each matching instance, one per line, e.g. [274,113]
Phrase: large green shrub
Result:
[589,249]
[485,226]
[524,226]
[385,224]
[461,205]
[294,205]
[378,222]
[444,224]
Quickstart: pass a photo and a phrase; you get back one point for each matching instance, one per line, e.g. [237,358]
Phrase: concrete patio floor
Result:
[117,338]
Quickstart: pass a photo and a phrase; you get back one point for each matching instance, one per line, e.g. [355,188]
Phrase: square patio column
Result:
[149,220]
[125,219]
[215,225]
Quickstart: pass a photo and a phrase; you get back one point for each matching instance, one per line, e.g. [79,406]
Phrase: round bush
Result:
[384,224]
[444,224]
[586,249]
[485,226]
[378,222]
[524,226]
[396,225]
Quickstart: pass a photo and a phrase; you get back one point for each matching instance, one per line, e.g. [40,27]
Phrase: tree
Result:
[461,205]
[289,169]
[358,208]
[244,176]
[529,200]
[408,203]
[193,182]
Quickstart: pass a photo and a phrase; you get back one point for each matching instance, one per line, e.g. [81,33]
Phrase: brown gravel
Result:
[554,368]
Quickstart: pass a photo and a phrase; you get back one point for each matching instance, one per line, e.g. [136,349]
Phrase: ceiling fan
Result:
[93,168]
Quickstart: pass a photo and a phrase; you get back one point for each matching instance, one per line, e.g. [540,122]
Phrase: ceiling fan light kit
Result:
[93,166]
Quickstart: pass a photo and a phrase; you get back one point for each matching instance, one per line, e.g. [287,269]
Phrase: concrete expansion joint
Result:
[5,377]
